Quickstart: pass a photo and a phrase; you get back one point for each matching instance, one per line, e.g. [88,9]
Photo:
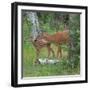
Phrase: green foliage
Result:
[30,70]
[75,37]
[52,22]
[26,27]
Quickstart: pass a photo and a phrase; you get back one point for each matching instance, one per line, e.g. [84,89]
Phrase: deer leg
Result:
[37,56]
[50,50]
[59,52]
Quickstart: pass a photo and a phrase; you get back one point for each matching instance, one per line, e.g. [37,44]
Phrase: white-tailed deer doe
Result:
[40,43]
[58,39]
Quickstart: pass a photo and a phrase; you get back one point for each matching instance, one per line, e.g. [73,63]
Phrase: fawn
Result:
[40,43]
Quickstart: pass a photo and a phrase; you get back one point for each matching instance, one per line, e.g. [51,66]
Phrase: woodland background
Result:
[52,22]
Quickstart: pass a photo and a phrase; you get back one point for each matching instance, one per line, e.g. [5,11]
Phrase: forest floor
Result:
[31,70]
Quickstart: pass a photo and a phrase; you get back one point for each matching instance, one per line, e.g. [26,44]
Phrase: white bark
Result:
[35,24]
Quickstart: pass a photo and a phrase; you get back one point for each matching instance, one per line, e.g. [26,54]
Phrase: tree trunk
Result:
[35,24]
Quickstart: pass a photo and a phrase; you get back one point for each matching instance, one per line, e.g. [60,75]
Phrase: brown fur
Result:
[40,43]
[58,38]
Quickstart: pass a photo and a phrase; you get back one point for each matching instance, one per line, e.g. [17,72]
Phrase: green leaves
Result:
[52,22]
[74,25]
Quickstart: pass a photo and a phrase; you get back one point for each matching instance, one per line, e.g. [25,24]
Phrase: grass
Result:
[31,70]
[29,56]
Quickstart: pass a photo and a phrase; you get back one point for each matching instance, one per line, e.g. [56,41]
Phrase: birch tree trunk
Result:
[35,25]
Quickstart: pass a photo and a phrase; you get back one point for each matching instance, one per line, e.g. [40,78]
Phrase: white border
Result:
[82,49]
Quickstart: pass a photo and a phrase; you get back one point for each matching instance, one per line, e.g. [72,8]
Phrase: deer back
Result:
[59,37]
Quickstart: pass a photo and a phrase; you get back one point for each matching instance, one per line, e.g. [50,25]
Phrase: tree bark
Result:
[35,25]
